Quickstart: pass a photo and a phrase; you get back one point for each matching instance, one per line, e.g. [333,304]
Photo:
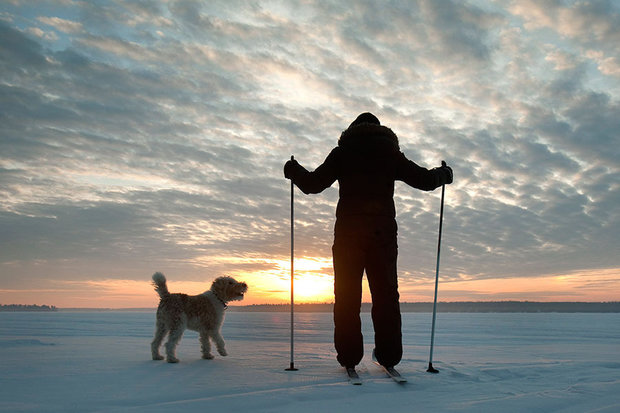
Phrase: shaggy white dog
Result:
[203,313]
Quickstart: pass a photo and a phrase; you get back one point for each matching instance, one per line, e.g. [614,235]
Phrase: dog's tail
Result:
[159,281]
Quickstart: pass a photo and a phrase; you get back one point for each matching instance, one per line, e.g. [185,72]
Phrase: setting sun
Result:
[313,282]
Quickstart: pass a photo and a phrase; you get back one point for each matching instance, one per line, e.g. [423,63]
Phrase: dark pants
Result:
[369,245]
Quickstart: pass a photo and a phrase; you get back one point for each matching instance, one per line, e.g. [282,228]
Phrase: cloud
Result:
[592,26]
[18,48]
[63,25]
[142,136]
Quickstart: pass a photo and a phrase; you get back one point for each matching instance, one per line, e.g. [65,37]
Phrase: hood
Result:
[369,138]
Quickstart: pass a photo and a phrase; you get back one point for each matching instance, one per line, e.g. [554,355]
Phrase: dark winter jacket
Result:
[366,163]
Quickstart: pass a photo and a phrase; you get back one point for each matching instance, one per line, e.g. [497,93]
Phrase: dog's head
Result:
[228,289]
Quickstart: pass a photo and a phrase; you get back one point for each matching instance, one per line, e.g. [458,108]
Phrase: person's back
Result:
[367,155]
[366,163]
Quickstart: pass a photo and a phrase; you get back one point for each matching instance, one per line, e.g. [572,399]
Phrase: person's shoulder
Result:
[336,151]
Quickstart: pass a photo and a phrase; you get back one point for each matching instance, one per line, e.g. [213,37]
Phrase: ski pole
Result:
[431,369]
[292,365]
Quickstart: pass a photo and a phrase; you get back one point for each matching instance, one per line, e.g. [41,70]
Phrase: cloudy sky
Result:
[150,136]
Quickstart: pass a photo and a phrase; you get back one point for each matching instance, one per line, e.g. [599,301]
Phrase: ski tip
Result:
[395,375]
[392,373]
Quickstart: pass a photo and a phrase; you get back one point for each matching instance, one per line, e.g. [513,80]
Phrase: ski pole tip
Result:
[291,367]
[431,369]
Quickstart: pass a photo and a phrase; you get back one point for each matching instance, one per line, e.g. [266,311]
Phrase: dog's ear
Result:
[220,286]
[229,283]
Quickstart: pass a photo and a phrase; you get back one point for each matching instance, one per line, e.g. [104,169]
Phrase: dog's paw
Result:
[158,357]
[222,352]
[208,356]
[171,359]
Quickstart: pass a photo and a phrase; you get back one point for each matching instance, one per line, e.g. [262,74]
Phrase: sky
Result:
[150,136]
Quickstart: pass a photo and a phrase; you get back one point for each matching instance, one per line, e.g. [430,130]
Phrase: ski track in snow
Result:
[100,362]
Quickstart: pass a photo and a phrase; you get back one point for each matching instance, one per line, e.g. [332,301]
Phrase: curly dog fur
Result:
[203,313]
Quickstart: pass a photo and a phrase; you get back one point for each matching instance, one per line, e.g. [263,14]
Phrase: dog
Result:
[203,313]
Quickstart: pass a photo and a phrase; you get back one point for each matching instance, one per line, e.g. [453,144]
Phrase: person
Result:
[366,162]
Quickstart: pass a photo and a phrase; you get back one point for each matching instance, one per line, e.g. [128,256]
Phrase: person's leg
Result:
[348,272]
[383,283]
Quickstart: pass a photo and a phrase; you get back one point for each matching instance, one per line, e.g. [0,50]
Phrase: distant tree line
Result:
[457,307]
[27,307]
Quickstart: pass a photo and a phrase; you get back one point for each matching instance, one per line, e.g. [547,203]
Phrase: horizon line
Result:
[307,304]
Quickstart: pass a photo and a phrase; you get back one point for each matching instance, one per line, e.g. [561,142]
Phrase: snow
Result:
[100,362]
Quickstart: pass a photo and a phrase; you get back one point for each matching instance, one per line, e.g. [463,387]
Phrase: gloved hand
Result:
[289,167]
[448,172]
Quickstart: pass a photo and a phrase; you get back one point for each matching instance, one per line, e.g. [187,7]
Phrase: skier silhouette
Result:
[366,162]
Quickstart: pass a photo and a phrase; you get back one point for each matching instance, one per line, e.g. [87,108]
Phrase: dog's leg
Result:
[219,343]
[173,339]
[160,333]
[205,346]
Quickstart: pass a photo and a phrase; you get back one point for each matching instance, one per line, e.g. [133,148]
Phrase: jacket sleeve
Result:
[418,177]
[320,179]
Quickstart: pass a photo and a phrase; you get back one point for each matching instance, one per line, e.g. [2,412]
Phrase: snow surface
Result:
[100,362]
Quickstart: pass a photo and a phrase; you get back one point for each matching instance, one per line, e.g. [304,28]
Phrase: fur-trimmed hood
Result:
[369,138]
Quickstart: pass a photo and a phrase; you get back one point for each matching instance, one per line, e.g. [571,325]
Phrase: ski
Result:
[354,378]
[390,371]
[393,373]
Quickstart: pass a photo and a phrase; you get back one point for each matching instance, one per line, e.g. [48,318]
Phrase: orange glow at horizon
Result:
[589,285]
[314,284]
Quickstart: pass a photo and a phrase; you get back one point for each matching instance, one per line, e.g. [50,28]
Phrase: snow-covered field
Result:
[100,362]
